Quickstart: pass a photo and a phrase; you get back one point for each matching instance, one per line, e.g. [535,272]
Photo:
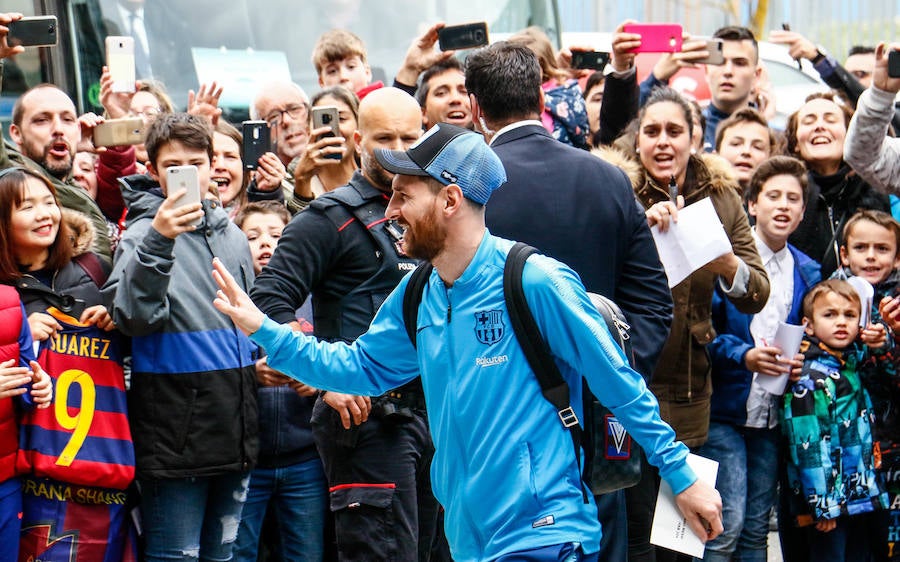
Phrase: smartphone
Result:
[894,64]
[595,60]
[35,31]
[716,55]
[465,36]
[256,142]
[119,132]
[327,116]
[120,60]
[656,37]
[184,177]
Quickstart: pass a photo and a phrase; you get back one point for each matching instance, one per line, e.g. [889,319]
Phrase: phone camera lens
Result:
[479,35]
[326,118]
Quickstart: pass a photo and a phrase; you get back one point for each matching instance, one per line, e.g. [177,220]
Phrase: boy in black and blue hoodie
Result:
[827,425]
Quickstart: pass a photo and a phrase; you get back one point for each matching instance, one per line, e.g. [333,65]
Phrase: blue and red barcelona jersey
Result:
[68,523]
[84,437]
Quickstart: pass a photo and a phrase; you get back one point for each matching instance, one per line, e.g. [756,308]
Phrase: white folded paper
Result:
[787,339]
[695,240]
[866,293]
[670,529]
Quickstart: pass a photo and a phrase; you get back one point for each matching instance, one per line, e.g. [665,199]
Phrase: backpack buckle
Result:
[568,417]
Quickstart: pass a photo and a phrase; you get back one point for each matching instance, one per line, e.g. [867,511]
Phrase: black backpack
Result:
[612,460]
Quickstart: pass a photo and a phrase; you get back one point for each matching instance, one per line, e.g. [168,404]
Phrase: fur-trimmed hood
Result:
[707,170]
[81,229]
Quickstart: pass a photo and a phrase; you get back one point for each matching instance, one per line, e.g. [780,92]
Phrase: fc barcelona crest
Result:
[489,328]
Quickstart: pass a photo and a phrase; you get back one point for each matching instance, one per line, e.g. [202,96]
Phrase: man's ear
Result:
[751,208]
[845,257]
[15,134]
[453,199]
[807,322]
[357,139]
[153,172]
[425,123]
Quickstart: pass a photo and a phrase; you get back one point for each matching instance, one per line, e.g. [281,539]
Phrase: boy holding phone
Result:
[193,408]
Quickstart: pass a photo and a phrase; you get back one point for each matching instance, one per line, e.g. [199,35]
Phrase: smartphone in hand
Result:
[119,132]
[255,142]
[184,177]
[327,116]
[120,61]
[35,31]
[592,60]
[656,37]
[894,64]
[716,54]
[465,36]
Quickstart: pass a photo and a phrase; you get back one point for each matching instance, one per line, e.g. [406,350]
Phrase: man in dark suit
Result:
[574,207]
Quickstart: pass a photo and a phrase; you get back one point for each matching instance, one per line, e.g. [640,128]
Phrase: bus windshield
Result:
[243,43]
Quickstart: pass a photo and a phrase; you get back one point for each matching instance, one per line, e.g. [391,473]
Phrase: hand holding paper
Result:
[684,523]
[693,241]
[787,342]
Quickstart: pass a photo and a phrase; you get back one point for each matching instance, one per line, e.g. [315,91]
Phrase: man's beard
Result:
[59,169]
[428,240]
[377,176]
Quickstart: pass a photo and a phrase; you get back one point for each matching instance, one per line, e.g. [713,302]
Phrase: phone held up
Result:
[120,61]
[119,132]
[591,60]
[255,142]
[35,31]
[894,64]
[184,177]
[465,36]
[656,37]
[716,54]
[327,116]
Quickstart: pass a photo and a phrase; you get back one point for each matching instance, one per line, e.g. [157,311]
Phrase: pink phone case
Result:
[656,37]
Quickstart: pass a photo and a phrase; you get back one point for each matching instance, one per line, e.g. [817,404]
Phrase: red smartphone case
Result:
[656,37]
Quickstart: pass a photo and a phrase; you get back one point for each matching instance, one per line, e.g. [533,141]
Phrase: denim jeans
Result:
[747,482]
[192,518]
[298,495]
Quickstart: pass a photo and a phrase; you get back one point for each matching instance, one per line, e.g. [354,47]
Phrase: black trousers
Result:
[380,488]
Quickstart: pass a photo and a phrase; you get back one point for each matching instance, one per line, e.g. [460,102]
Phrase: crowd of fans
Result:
[216,456]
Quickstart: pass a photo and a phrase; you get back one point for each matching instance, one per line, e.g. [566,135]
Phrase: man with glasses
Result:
[285,107]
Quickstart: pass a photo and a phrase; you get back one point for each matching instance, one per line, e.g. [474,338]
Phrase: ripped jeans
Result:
[192,519]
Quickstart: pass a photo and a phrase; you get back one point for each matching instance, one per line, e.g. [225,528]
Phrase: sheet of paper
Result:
[866,293]
[695,240]
[787,338]
[670,529]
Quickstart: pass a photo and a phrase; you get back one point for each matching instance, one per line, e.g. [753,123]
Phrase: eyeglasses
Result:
[146,113]
[297,113]
[861,74]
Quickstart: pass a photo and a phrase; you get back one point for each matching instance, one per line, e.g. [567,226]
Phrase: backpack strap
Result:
[91,265]
[412,297]
[554,388]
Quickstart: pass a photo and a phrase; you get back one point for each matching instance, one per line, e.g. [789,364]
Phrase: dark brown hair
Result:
[837,286]
[777,166]
[12,194]
[262,208]
[191,131]
[794,120]
[746,115]
[880,218]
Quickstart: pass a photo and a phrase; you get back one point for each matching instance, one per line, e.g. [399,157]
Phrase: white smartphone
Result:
[184,177]
[120,60]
